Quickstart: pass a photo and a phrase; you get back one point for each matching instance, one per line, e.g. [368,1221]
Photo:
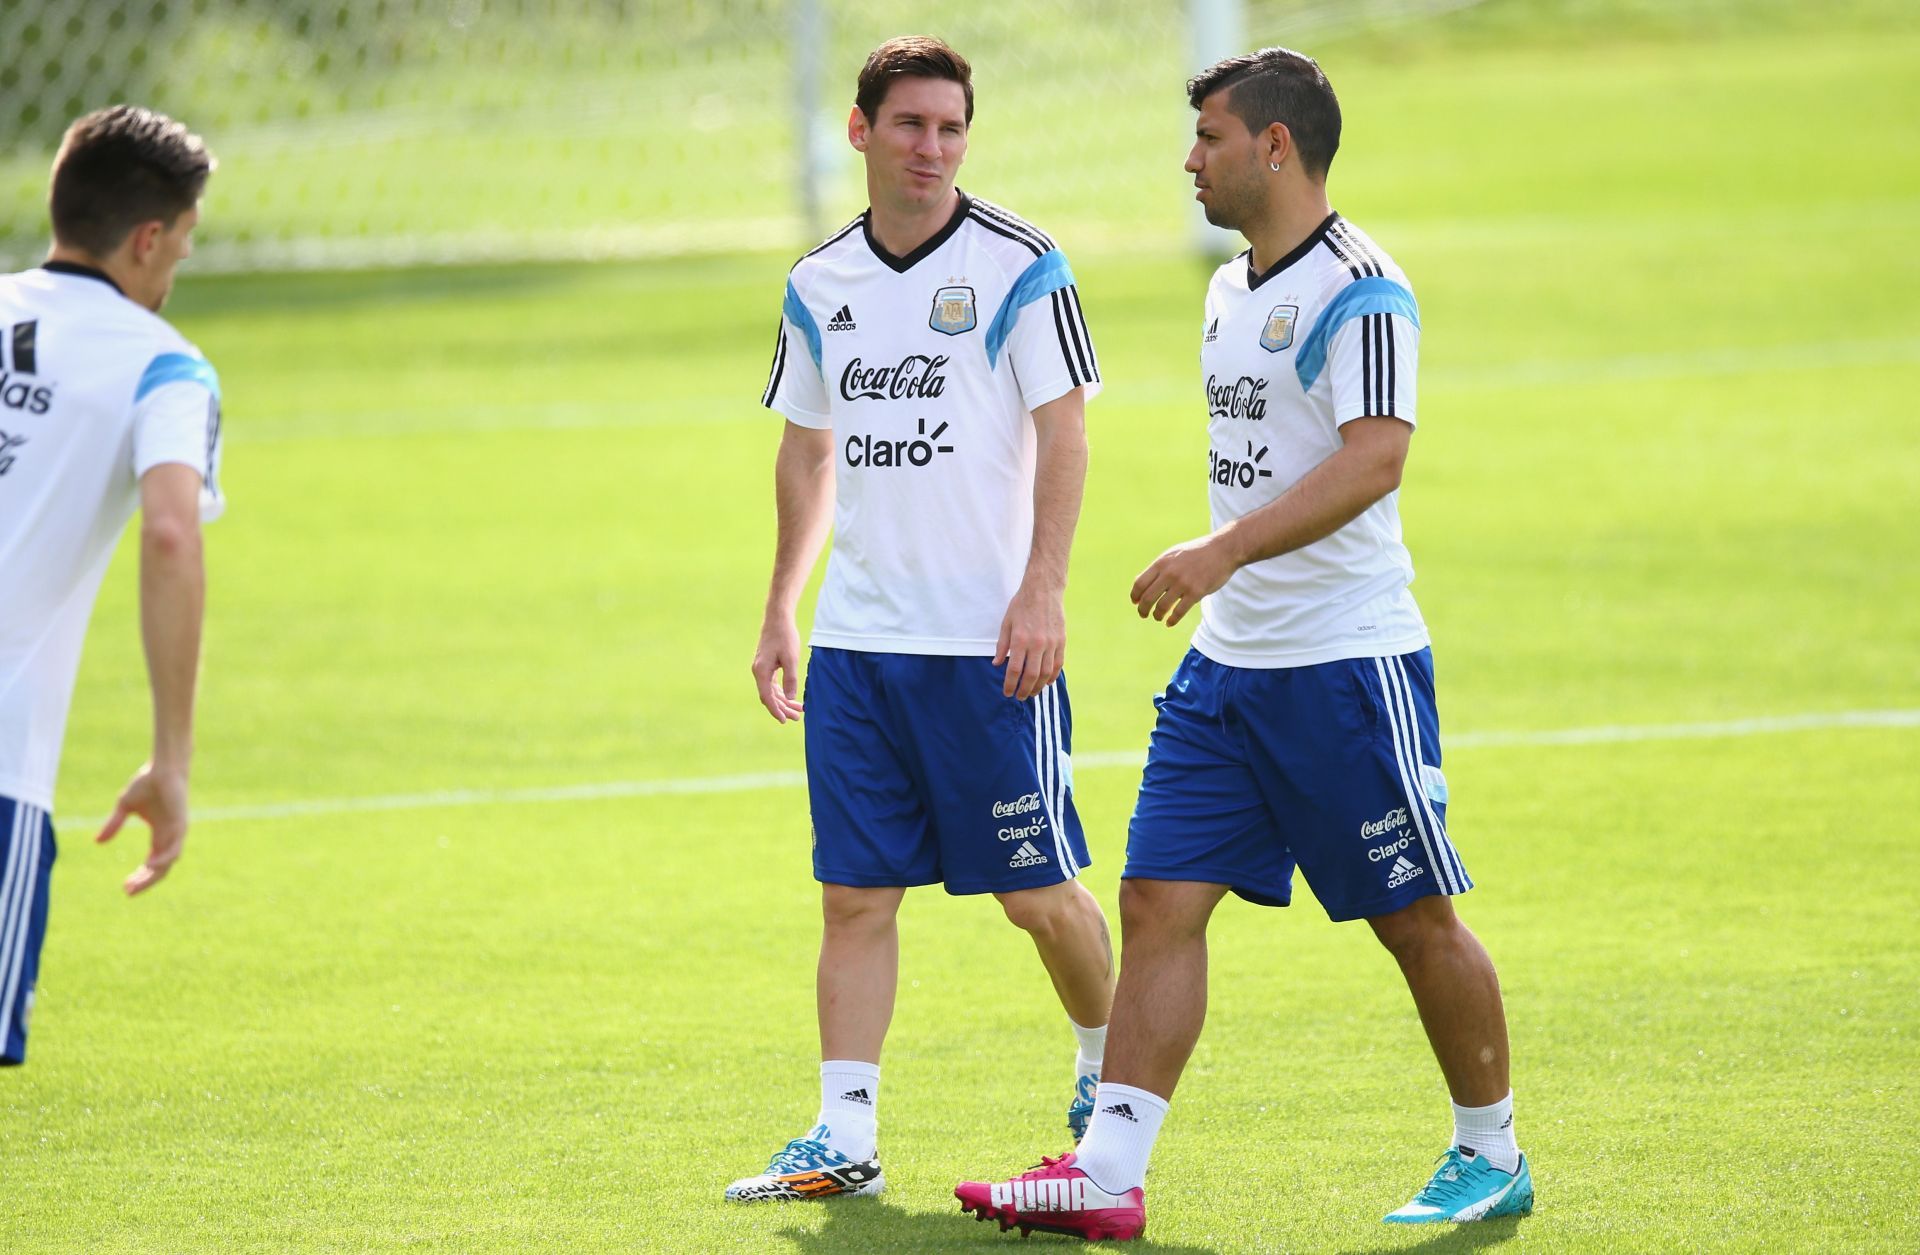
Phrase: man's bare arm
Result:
[1365,468]
[173,588]
[1033,635]
[803,500]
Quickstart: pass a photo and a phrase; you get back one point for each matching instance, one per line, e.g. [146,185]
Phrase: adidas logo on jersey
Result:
[1028,855]
[842,320]
[1402,872]
[1213,332]
[1123,1110]
[1233,473]
[16,393]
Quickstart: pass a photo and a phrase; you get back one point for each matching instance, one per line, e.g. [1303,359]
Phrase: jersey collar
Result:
[903,264]
[1305,246]
[85,272]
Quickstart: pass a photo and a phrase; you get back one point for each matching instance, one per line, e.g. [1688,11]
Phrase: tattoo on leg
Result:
[1106,940]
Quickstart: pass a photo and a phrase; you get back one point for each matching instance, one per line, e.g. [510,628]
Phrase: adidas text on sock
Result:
[849,1106]
[1119,1140]
[1488,1131]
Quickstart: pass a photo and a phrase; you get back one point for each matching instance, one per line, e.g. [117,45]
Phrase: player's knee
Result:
[1160,910]
[1418,928]
[1042,912]
[845,908]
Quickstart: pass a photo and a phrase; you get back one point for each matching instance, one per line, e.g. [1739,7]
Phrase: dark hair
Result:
[120,167]
[910,56]
[1278,85]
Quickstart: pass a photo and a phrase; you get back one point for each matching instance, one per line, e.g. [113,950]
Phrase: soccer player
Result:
[103,408]
[933,367]
[1301,727]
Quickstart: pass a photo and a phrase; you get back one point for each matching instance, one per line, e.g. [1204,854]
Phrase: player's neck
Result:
[79,257]
[1287,227]
[900,230]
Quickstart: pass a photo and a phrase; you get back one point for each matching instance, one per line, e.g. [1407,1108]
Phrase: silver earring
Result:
[1274,166]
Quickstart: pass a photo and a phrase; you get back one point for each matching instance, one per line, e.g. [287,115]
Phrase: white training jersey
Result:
[927,369]
[1329,334]
[94,391]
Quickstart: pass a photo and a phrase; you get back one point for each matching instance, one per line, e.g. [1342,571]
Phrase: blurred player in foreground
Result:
[1301,727]
[104,408]
[933,367]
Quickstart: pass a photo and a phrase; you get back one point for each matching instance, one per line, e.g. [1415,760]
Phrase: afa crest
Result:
[1279,332]
[953,311]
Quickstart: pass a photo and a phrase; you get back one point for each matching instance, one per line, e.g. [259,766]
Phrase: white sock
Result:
[849,1106]
[1488,1131]
[1093,1049]
[1119,1141]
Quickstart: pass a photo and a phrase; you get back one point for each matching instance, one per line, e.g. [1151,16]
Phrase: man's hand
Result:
[160,798]
[779,654]
[1180,577]
[1033,641]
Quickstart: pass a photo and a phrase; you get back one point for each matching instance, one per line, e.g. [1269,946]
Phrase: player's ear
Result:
[857,129]
[144,239]
[1279,144]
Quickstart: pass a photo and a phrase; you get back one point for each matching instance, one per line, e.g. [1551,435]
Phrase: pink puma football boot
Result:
[1057,1197]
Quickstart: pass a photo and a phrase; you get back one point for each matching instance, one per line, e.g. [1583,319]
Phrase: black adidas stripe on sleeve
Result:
[1079,325]
[779,365]
[1066,348]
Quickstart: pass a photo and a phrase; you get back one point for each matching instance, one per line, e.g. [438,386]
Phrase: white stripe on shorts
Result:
[1067,858]
[1041,761]
[1409,778]
[1452,855]
[16,908]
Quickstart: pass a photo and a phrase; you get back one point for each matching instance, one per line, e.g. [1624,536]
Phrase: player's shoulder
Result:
[1232,273]
[1010,240]
[828,251]
[1347,256]
[116,329]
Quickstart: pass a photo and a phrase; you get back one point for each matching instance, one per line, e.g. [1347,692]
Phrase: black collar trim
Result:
[903,264]
[1305,246]
[85,272]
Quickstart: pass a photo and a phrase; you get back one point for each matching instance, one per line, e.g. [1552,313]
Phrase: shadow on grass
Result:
[1449,1238]
[874,1224]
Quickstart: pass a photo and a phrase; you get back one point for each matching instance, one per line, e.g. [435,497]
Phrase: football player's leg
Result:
[1069,931]
[998,778]
[1457,993]
[871,841]
[1199,829]
[1364,804]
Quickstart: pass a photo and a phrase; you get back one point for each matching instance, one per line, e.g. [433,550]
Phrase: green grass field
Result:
[508,530]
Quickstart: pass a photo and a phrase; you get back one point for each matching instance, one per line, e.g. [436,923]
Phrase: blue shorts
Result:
[1334,767]
[26,861]
[921,772]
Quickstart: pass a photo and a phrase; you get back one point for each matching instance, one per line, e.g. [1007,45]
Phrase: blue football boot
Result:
[1467,1187]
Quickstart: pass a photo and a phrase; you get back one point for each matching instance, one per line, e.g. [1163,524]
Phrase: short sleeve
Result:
[176,419]
[1367,340]
[1041,330]
[1373,361]
[795,386]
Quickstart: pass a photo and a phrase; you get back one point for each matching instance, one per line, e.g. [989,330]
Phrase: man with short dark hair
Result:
[933,366]
[1301,729]
[104,408]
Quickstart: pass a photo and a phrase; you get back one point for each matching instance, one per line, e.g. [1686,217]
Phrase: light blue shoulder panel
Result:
[800,316]
[1047,274]
[177,368]
[1371,295]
